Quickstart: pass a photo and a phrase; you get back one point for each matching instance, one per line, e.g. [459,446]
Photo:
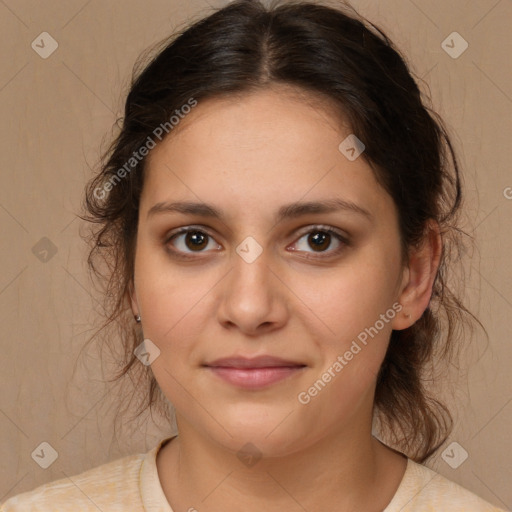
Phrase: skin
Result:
[248,156]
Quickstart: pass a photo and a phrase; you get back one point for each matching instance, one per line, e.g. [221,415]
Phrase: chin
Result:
[266,436]
[250,443]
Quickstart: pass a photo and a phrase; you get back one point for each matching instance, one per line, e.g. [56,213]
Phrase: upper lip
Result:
[253,362]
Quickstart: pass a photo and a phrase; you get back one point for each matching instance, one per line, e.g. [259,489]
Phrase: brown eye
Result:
[195,240]
[189,240]
[320,240]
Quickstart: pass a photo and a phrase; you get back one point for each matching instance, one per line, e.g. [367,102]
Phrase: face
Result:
[317,289]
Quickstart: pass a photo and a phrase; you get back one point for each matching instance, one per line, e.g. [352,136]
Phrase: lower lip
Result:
[254,378]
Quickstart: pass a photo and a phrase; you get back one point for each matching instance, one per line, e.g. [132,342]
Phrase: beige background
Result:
[55,113]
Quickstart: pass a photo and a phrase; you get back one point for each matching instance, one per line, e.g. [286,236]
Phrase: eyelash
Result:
[314,229]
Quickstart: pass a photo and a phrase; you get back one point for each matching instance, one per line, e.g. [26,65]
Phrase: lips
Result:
[254,373]
[254,362]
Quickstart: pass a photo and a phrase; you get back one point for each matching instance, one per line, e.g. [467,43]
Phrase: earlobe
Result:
[420,276]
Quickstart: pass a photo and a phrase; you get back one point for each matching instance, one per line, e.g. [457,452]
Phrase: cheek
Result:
[173,302]
[350,317]
[346,300]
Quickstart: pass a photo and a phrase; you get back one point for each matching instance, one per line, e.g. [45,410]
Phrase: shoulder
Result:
[422,489]
[93,490]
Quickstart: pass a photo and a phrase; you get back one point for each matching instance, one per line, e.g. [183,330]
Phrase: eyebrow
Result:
[289,211]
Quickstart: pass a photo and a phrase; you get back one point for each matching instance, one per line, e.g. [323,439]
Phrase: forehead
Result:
[267,146]
[280,116]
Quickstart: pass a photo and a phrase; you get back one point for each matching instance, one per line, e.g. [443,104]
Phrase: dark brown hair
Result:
[348,61]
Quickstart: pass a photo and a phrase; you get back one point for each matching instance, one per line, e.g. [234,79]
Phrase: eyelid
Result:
[324,227]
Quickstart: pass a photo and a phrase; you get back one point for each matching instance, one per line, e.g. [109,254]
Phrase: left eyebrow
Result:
[297,209]
[289,211]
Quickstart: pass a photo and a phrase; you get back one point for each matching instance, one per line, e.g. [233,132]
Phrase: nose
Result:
[253,297]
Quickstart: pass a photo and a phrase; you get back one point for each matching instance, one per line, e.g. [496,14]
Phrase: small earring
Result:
[137,318]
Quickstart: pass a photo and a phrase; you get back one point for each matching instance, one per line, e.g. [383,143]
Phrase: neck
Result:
[346,470]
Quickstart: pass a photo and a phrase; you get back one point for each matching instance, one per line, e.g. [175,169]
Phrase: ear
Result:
[418,277]
[133,298]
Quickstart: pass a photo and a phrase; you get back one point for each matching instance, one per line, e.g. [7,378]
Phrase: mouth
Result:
[254,373]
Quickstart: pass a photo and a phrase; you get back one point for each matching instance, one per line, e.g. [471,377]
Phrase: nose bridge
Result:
[251,270]
[251,295]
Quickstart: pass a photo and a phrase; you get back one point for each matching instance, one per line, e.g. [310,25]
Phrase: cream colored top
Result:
[132,484]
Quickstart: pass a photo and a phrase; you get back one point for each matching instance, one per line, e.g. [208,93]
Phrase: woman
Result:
[278,214]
